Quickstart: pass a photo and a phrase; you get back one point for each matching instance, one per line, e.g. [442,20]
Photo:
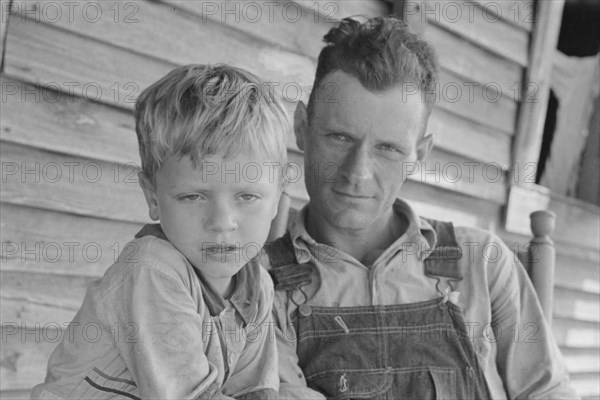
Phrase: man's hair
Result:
[381,53]
[202,110]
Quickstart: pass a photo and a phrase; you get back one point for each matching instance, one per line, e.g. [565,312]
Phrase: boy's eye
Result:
[190,197]
[248,197]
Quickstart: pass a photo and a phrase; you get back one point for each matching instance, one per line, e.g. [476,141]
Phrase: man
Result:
[373,301]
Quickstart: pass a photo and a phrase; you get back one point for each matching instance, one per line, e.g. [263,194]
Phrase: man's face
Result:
[217,213]
[357,147]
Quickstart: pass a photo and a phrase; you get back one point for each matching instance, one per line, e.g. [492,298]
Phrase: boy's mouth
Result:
[216,248]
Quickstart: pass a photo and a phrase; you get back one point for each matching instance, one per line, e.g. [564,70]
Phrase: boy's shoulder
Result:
[151,254]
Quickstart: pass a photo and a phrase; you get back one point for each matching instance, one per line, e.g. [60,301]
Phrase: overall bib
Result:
[412,351]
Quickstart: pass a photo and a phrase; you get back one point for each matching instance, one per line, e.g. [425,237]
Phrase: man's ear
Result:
[150,196]
[424,146]
[300,124]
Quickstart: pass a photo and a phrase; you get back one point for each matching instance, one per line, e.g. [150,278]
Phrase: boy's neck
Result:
[223,286]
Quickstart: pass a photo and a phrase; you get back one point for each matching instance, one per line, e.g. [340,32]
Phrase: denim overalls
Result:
[410,351]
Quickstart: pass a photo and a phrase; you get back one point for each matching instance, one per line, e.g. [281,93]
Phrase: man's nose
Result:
[221,218]
[358,166]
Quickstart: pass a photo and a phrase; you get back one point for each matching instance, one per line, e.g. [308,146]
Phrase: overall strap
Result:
[443,260]
[287,274]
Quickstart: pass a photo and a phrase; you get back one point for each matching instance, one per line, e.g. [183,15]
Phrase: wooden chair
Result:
[538,259]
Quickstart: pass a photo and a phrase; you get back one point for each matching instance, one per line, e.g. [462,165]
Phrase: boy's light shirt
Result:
[156,335]
[521,362]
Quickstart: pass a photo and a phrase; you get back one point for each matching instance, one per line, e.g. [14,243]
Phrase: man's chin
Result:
[351,220]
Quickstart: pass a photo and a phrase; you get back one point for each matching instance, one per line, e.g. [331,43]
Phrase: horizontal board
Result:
[63,292]
[576,334]
[475,64]
[582,360]
[168,35]
[23,357]
[476,103]
[576,305]
[287,24]
[53,181]
[577,273]
[348,8]
[486,144]
[57,122]
[40,54]
[473,22]
[520,13]
[587,385]
[15,394]
[577,222]
[50,242]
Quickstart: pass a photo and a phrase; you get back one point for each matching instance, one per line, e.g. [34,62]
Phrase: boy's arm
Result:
[528,358]
[292,383]
[164,351]
[255,373]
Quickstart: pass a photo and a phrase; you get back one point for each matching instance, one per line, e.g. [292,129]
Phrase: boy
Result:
[184,313]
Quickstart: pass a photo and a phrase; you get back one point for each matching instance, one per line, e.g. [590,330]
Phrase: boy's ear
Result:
[424,146]
[150,196]
[300,124]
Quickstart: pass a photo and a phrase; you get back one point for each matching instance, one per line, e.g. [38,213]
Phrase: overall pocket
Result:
[427,383]
[352,384]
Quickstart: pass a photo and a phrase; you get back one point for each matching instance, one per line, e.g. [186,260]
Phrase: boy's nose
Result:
[221,219]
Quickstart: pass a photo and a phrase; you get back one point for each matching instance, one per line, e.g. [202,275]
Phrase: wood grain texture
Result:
[473,63]
[84,187]
[520,13]
[532,116]
[45,241]
[66,124]
[478,25]
[175,37]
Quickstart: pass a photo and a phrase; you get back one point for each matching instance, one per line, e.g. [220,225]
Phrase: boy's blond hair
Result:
[202,110]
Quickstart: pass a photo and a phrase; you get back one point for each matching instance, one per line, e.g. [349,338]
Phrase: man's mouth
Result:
[352,195]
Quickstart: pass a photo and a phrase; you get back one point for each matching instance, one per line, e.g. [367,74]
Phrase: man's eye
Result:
[388,147]
[339,136]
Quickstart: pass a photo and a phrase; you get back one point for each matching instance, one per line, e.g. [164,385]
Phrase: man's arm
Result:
[528,358]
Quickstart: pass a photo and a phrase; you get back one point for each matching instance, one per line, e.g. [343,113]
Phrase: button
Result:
[305,310]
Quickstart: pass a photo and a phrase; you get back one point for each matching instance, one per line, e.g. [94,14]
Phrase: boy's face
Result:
[217,213]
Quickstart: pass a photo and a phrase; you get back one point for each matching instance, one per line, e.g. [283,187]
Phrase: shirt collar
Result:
[245,295]
[419,231]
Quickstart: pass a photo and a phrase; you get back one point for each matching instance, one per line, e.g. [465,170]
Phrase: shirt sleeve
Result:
[165,354]
[528,358]
[255,374]
[292,383]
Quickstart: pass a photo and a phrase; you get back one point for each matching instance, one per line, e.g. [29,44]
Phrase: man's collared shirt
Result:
[514,345]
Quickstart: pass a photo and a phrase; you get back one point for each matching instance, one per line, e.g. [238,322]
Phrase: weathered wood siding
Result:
[70,198]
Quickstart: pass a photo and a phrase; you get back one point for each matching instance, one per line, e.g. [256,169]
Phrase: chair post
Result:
[541,259]
[279,223]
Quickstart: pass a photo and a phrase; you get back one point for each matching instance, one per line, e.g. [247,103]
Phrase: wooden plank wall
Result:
[70,198]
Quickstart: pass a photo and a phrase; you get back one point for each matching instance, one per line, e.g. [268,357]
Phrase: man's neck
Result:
[366,244]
